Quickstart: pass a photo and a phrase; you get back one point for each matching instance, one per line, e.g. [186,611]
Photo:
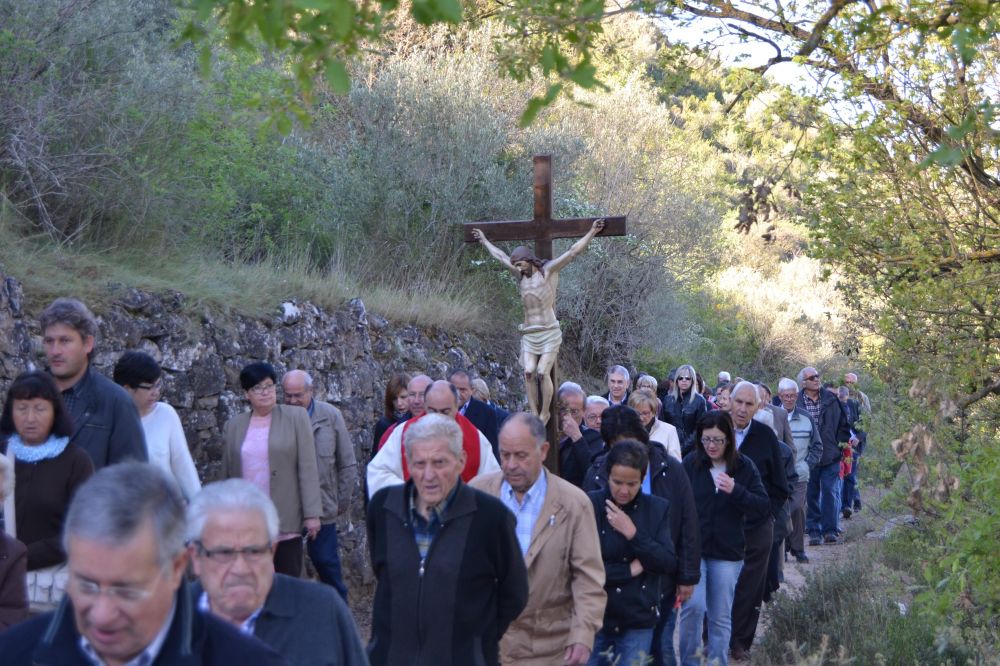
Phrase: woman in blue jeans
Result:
[634,530]
[727,489]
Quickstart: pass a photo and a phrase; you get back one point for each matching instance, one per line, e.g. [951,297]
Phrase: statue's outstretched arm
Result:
[576,248]
[494,251]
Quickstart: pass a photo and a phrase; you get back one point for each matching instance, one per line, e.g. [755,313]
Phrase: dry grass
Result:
[48,270]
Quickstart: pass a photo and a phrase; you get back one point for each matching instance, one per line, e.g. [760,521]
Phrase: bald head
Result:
[296,386]
[415,394]
[441,398]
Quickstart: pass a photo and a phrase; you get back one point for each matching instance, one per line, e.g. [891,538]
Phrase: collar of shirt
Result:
[464,407]
[437,512]
[536,491]
[311,408]
[527,512]
[144,658]
[247,626]
[740,434]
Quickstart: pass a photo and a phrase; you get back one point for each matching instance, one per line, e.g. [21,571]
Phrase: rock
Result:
[350,352]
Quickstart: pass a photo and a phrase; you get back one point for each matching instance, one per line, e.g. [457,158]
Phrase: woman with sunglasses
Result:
[727,491]
[272,447]
[683,406]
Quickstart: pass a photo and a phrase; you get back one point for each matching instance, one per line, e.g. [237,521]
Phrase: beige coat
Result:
[291,454]
[566,595]
[338,467]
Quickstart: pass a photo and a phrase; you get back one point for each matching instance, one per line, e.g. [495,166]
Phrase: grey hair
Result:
[802,373]
[460,373]
[756,391]
[307,379]
[725,376]
[115,503]
[481,387]
[434,427]
[6,477]
[71,312]
[646,381]
[786,384]
[618,370]
[533,423]
[597,400]
[570,388]
[230,495]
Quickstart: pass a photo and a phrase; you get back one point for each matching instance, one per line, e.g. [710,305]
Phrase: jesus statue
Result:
[541,336]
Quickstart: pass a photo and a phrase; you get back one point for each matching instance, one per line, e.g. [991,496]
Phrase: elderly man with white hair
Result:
[580,443]
[757,442]
[448,564]
[808,448]
[232,529]
[618,382]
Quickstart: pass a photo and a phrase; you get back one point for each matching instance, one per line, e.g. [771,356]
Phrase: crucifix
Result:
[538,278]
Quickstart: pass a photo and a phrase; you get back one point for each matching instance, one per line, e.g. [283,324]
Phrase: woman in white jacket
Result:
[647,405]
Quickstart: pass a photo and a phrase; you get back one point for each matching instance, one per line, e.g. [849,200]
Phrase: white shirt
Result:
[740,434]
[247,626]
[386,468]
[666,435]
[168,448]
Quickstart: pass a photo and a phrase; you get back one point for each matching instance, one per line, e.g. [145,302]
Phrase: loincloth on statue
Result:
[540,340]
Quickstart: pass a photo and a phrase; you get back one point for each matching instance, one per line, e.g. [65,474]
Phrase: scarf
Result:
[32,453]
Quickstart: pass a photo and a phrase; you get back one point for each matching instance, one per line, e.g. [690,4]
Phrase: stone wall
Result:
[350,353]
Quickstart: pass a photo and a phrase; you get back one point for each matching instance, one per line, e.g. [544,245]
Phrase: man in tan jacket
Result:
[558,536]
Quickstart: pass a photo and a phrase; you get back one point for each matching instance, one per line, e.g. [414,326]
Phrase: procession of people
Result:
[663,526]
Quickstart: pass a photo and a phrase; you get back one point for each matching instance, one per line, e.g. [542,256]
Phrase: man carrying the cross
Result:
[540,332]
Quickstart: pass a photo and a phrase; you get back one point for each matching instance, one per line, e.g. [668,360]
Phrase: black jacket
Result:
[306,622]
[634,602]
[453,607]
[194,639]
[684,415]
[783,519]
[575,457]
[667,480]
[720,516]
[833,426]
[484,417]
[105,421]
[761,446]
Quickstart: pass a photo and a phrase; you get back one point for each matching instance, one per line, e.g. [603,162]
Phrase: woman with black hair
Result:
[272,447]
[727,490]
[666,479]
[48,468]
[141,376]
[634,531]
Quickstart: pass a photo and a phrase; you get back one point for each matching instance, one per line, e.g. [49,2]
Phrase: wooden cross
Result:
[542,229]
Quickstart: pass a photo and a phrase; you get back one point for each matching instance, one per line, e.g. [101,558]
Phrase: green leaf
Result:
[312,4]
[205,60]
[342,18]
[284,123]
[337,77]
[584,75]
[591,8]
[536,104]
[549,53]
[449,10]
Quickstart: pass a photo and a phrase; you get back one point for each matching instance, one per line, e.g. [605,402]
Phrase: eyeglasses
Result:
[127,594]
[683,379]
[715,441]
[812,378]
[262,389]
[225,555]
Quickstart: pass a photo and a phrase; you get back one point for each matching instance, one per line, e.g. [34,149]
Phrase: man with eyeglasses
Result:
[127,603]
[823,493]
[579,443]
[231,529]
